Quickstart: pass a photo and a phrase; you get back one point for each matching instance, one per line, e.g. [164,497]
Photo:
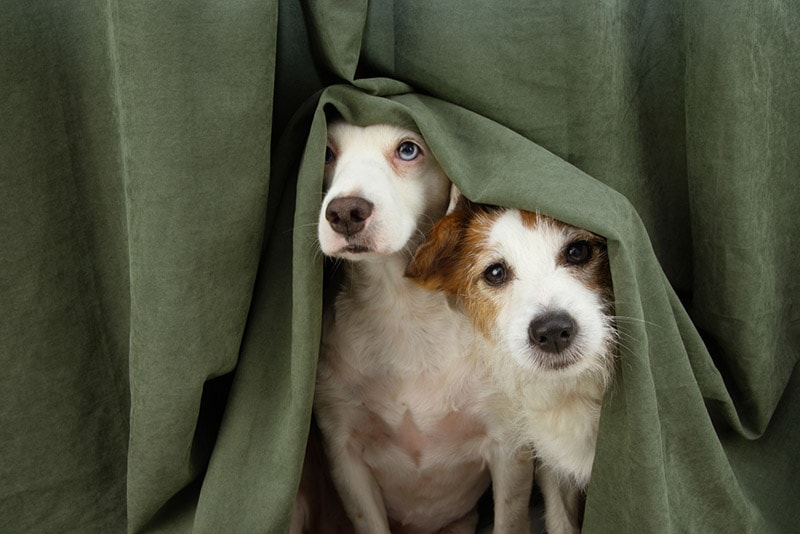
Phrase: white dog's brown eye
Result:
[329,157]
[579,252]
[495,274]
[408,151]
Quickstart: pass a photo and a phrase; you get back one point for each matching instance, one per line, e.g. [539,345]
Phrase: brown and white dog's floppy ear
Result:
[435,259]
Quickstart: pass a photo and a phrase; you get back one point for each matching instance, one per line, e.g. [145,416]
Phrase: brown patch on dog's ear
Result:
[436,258]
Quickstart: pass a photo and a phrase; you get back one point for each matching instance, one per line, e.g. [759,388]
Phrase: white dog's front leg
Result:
[561,503]
[512,480]
[359,491]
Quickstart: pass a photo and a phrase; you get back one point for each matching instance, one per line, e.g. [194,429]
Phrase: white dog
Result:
[407,412]
[540,292]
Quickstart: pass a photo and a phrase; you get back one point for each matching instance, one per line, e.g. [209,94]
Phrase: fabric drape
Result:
[160,282]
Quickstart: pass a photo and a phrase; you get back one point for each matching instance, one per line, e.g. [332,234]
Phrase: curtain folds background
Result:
[160,284]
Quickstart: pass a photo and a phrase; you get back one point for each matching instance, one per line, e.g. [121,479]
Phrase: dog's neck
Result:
[586,389]
[416,326]
[381,277]
[544,392]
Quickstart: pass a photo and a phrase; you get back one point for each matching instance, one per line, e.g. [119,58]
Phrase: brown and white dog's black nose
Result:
[552,332]
[348,215]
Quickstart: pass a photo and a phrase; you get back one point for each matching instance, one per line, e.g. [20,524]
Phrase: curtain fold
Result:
[63,275]
[160,281]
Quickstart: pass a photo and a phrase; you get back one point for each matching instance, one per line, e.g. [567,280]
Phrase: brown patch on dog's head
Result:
[595,271]
[444,261]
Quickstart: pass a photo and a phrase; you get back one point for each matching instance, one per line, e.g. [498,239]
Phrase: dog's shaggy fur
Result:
[540,293]
[408,413]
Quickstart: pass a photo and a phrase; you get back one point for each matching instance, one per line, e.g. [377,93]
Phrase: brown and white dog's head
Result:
[384,189]
[535,287]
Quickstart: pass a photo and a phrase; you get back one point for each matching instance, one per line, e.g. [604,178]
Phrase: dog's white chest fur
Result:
[398,381]
[563,429]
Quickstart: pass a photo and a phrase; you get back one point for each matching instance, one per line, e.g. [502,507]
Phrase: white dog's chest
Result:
[424,438]
[423,446]
[419,424]
[413,407]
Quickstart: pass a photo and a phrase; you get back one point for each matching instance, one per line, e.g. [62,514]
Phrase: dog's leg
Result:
[359,491]
[560,503]
[512,478]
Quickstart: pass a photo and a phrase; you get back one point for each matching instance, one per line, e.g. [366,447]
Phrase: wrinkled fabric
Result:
[160,281]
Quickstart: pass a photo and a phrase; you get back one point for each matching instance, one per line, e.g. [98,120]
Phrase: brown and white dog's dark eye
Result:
[578,252]
[329,157]
[495,274]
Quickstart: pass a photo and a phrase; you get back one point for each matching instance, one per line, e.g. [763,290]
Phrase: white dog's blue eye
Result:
[408,151]
[329,157]
[495,274]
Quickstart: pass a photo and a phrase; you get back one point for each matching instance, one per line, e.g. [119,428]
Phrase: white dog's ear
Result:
[455,196]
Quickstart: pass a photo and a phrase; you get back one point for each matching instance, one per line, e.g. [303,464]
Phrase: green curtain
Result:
[160,284]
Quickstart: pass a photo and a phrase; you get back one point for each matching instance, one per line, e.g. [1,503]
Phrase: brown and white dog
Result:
[408,413]
[540,293]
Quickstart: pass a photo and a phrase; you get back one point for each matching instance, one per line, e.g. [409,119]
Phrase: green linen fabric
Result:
[160,283]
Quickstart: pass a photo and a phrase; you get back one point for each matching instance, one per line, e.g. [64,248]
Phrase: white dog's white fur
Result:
[540,292]
[408,413]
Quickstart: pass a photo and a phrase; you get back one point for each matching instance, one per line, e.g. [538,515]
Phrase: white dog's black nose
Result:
[348,215]
[552,332]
